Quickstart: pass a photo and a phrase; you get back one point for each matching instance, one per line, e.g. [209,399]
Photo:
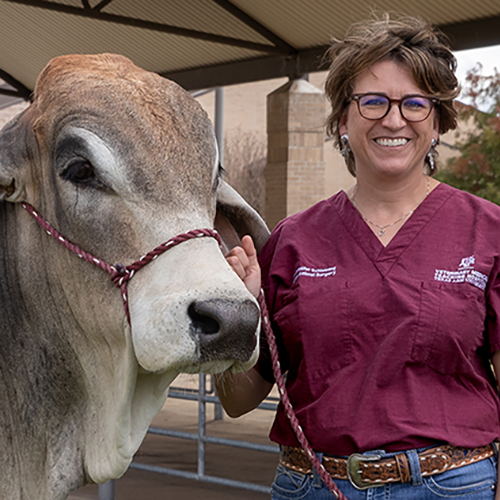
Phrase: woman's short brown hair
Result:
[408,41]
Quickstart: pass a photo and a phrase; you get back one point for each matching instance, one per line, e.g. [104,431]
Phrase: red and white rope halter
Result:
[121,275]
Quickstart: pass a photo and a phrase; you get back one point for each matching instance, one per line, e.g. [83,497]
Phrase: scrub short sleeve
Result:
[267,259]
[493,311]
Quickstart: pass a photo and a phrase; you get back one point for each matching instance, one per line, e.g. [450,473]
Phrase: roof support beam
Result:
[254,24]
[473,34]
[99,6]
[20,90]
[9,93]
[102,4]
[151,25]
[265,68]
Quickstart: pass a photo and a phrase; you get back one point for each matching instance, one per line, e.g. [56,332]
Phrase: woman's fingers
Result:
[249,248]
[238,261]
[243,260]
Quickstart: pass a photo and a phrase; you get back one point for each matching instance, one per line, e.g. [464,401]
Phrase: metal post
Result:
[219,135]
[201,424]
[106,491]
[219,122]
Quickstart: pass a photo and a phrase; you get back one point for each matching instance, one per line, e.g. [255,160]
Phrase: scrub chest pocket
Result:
[316,318]
[449,314]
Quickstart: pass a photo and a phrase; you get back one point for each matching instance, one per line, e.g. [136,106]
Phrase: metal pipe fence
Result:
[202,396]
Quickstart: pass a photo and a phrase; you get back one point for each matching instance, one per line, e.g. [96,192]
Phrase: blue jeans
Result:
[472,482]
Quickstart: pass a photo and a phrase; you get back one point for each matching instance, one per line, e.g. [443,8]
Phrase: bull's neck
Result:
[41,382]
[68,384]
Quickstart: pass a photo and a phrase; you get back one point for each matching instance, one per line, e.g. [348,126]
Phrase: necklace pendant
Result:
[382,231]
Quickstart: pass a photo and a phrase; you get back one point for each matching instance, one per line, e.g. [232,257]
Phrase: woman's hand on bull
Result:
[243,261]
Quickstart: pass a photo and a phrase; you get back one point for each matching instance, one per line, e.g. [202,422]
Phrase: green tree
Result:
[477,168]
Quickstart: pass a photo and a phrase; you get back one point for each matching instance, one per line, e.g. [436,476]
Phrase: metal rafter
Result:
[98,6]
[21,91]
[474,33]
[254,24]
[9,93]
[251,70]
[154,26]
[102,4]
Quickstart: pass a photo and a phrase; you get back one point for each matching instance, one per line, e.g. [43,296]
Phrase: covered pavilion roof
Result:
[210,43]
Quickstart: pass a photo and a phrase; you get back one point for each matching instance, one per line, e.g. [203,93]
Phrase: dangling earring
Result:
[431,156]
[345,148]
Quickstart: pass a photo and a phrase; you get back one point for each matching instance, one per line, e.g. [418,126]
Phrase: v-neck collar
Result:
[384,257]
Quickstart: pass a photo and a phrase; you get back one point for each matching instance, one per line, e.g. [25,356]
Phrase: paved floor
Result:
[221,461]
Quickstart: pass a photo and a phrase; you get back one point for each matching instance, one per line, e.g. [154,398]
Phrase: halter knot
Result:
[120,275]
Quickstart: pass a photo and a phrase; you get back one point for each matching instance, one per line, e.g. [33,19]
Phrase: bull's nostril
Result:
[201,323]
[224,329]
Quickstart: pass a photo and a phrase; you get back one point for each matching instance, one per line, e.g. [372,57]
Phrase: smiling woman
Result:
[386,142]
[388,357]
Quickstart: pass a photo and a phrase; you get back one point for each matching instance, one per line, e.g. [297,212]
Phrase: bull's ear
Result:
[13,160]
[235,218]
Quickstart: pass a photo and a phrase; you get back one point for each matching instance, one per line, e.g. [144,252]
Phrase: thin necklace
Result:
[382,229]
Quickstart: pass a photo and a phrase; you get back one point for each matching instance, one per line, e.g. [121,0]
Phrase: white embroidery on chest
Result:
[314,273]
[464,274]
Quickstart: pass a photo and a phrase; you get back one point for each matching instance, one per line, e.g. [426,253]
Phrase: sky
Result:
[489,57]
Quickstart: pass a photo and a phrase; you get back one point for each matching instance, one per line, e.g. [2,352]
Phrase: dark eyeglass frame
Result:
[433,100]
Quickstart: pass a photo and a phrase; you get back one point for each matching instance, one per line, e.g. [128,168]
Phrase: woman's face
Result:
[389,146]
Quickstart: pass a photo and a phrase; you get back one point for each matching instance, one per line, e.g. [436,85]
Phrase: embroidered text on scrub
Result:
[314,273]
[465,274]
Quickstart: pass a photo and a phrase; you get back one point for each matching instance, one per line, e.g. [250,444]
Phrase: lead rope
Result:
[120,274]
[297,429]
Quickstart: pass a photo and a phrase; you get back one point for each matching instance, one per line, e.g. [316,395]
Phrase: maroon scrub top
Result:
[387,347]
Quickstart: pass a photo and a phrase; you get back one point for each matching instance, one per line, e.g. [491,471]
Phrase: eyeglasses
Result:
[413,108]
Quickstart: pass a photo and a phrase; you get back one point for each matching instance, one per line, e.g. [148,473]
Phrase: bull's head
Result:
[119,160]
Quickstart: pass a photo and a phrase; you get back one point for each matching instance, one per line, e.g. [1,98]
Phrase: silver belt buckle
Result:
[354,470]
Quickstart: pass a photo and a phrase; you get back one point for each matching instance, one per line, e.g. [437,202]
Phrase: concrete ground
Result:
[221,461]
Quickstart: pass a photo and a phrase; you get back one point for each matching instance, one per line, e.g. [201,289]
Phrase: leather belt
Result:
[368,471]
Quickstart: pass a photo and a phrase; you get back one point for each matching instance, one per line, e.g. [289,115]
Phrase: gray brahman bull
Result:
[118,160]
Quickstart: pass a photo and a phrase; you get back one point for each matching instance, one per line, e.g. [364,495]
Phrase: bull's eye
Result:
[79,171]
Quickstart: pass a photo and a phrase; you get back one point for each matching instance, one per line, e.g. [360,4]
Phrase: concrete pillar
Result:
[295,170]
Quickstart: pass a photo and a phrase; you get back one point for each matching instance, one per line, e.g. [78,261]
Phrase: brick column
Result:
[295,170]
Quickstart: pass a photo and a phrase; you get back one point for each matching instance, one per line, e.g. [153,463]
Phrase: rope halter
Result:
[120,274]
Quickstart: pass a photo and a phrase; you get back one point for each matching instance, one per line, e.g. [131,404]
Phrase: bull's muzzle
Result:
[224,329]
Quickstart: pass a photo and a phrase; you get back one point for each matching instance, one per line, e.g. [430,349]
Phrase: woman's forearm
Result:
[240,393]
